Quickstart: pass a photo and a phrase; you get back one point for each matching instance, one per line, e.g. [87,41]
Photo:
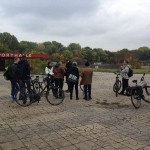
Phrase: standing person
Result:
[23,72]
[49,69]
[67,69]
[124,74]
[74,71]
[86,75]
[59,73]
[14,79]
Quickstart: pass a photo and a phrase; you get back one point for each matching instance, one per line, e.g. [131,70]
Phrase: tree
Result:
[74,47]
[9,40]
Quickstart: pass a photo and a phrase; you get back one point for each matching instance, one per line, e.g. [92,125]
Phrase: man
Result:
[86,80]
[23,72]
[14,79]
[125,78]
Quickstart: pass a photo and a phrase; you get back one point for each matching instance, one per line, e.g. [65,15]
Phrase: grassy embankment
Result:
[135,71]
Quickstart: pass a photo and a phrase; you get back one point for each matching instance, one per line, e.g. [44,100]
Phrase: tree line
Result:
[74,51]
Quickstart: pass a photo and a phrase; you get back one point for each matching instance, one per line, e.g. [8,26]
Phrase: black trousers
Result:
[71,86]
[87,91]
[59,82]
[125,84]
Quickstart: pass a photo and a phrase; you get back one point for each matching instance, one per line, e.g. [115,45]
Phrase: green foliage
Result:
[9,41]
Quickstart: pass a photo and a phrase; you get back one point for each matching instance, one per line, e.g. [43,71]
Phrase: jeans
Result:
[22,86]
[14,88]
[87,91]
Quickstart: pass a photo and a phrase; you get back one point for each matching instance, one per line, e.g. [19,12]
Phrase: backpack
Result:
[7,73]
[130,73]
[22,70]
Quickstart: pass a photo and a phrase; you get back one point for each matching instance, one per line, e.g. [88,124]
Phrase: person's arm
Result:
[46,70]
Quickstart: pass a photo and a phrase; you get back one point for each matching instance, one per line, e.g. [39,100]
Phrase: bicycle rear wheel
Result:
[23,99]
[135,98]
[55,96]
[146,94]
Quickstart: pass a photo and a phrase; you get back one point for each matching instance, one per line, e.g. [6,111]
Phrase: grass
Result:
[135,71]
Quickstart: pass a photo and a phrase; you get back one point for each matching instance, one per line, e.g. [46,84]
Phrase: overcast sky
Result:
[108,24]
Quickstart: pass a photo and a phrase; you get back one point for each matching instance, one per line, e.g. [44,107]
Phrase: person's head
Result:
[74,64]
[49,64]
[60,63]
[125,62]
[23,58]
[87,64]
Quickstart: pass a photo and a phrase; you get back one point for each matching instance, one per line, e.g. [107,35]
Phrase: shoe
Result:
[70,98]
[85,98]
[90,98]
[77,98]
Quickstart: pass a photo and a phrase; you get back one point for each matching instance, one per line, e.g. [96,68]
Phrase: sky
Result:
[108,24]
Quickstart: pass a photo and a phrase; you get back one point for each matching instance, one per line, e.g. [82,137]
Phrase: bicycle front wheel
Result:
[55,96]
[135,98]
[117,87]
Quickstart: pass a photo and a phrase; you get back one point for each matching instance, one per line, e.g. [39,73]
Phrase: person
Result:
[59,73]
[67,69]
[125,78]
[49,69]
[23,73]
[86,75]
[74,71]
[14,79]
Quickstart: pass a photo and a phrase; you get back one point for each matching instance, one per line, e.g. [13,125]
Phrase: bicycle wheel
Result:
[23,99]
[136,98]
[117,87]
[55,96]
[36,86]
[146,94]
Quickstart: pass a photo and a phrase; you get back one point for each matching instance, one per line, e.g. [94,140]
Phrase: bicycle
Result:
[117,84]
[140,91]
[54,95]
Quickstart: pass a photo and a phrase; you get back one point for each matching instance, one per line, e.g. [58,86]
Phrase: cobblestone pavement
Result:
[104,123]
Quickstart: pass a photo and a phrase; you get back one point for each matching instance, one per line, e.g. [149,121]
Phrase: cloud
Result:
[109,24]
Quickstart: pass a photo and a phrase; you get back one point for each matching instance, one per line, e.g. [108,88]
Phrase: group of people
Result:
[58,72]
[19,73]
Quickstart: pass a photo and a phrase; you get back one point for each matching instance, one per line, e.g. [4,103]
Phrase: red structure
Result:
[12,55]
[4,56]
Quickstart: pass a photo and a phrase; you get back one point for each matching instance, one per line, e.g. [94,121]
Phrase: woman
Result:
[49,69]
[73,80]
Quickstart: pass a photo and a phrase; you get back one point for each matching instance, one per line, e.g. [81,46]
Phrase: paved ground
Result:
[104,123]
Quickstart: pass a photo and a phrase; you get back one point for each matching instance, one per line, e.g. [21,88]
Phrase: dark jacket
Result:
[13,70]
[23,70]
[74,71]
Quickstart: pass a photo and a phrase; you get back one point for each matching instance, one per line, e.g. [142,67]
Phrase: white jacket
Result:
[49,71]
[124,72]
